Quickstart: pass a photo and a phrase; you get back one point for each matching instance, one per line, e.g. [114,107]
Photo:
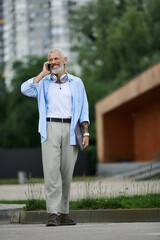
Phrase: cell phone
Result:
[48,66]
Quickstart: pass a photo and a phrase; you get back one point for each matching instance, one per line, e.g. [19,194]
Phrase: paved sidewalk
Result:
[101,188]
[92,231]
[11,206]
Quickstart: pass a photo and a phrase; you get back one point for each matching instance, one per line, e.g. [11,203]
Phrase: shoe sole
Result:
[67,224]
[52,225]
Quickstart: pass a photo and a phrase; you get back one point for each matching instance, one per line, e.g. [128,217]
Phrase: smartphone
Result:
[48,66]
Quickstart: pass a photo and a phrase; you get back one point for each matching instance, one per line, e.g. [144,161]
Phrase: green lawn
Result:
[121,202]
[9,181]
[41,180]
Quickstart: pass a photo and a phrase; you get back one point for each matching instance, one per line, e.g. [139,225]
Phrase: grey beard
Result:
[58,71]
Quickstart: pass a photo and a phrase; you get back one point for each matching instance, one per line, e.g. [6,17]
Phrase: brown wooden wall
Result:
[132,135]
[128,120]
[118,136]
[147,133]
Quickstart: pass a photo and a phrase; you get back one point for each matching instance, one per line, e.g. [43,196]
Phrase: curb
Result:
[6,214]
[92,216]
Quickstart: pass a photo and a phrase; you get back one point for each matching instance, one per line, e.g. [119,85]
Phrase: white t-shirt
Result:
[59,100]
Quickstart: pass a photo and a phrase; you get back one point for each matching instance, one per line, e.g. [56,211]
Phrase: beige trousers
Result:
[59,158]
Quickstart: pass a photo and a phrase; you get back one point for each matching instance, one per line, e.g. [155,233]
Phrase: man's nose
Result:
[53,61]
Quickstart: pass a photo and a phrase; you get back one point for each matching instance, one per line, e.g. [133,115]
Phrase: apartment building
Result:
[1,33]
[33,27]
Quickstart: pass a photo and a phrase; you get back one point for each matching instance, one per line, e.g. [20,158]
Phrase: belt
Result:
[66,120]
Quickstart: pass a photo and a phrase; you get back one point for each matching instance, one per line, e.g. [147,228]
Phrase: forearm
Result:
[85,141]
[84,126]
[41,74]
[38,78]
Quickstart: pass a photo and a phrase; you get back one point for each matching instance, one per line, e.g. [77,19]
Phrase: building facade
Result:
[128,121]
[33,27]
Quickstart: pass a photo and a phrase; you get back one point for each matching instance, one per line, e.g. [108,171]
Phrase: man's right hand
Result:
[42,74]
[45,70]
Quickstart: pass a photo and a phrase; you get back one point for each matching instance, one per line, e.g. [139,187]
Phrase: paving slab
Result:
[87,231]
[7,210]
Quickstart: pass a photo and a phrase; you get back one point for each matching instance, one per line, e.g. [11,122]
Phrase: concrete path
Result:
[82,189]
[11,206]
[93,231]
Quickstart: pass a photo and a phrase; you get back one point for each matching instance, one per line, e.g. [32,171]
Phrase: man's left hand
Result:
[85,141]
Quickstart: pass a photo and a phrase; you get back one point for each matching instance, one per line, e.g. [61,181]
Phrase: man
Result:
[62,103]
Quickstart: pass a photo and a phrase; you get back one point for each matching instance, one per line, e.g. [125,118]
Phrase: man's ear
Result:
[65,60]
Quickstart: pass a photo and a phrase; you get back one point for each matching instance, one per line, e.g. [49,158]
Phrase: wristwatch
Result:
[85,134]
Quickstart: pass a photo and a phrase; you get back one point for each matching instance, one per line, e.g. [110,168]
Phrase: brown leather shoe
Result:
[65,220]
[53,220]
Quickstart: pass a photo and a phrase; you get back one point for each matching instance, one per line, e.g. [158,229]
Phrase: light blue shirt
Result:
[79,103]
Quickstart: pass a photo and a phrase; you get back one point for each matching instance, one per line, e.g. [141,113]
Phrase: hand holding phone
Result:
[48,66]
[46,70]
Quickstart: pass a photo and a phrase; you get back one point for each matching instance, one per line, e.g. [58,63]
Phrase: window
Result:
[32,15]
[46,5]
[12,43]
[46,32]
[57,30]
[32,42]
[45,14]
[45,42]
[65,3]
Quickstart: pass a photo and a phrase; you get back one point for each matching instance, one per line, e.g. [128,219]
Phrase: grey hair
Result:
[56,50]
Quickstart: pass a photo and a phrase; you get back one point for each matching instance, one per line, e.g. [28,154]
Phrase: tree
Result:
[19,126]
[114,41]
[3,93]
[3,101]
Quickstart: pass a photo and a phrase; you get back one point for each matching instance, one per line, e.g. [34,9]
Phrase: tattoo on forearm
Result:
[84,126]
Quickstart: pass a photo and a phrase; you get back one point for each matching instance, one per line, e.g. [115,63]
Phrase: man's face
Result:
[57,62]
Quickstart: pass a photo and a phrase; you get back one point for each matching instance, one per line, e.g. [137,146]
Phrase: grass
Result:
[9,181]
[129,202]
[35,199]
[120,202]
[15,180]
[41,180]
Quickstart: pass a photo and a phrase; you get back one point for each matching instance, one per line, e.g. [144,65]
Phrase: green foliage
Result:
[123,202]
[92,157]
[3,94]
[114,41]
[41,180]
[9,181]
[19,114]
[35,204]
